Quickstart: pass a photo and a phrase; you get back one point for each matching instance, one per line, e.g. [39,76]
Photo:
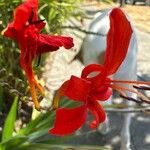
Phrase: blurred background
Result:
[22,127]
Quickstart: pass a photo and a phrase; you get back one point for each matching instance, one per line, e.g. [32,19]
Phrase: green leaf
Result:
[43,121]
[10,121]
[13,143]
[33,125]
[40,146]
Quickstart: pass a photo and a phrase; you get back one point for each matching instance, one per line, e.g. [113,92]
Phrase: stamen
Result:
[129,90]
[121,92]
[148,102]
[34,97]
[131,99]
[130,82]
[56,100]
[3,31]
[57,97]
[40,88]
[141,87]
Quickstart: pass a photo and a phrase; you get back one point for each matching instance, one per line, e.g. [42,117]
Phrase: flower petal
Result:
[118,40]
[77,89]
[23,13]
[90,69]
[98,112]
[40,25]
[102,94]
[47,43]
[9,31]
[69,120]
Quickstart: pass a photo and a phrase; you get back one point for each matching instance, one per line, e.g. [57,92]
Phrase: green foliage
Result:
[35,134]
[56,12]
[10,121]
[8,48]
[13,143]
[105,1]
[41,146]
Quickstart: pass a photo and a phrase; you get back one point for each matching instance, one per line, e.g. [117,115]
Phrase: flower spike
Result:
[25,29]
[89,90]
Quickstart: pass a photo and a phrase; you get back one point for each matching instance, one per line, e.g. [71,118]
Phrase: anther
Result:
[148,102]
[131,99]
[38,21]
[141,87]
[39,60]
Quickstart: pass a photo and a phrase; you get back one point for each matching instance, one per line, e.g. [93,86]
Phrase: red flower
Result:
[89,90]
[25,30]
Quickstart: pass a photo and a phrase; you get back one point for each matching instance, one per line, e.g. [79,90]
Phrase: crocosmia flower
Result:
[90,90]
[25,29]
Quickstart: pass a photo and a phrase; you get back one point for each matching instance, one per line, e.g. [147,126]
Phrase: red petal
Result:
[90,69]
[40,25]
[98,112]
[118,40]
[102,94]
[9,31]
[78,89]
[69,120]
[35,44]
[48,43]
[26,64]
[23,13]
